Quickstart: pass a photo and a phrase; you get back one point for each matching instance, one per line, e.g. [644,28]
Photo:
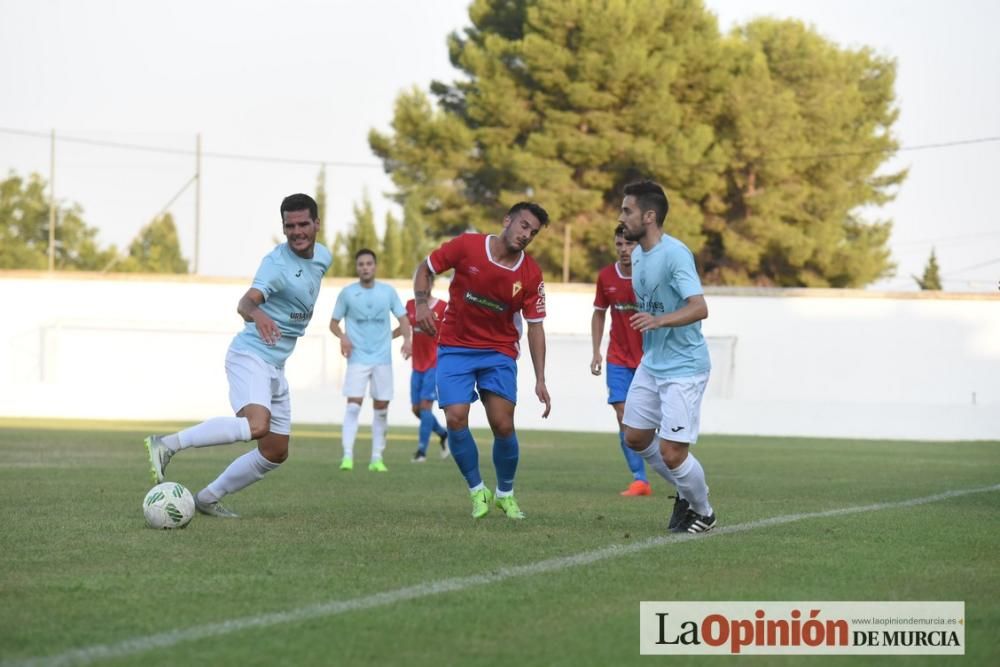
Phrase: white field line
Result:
[89,654]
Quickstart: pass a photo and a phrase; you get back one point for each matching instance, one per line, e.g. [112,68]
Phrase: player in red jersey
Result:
[495,283]
[423,382]
[614,291]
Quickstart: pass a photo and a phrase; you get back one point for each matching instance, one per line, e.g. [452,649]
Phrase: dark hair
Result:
[534,208]
[299,202]
[649,196]
[620,230]
[366,251]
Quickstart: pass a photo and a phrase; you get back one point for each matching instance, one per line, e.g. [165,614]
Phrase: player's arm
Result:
[596,333]
[249,309]
[694,310]
[536,346]
[406,331]
[423,278]
[346,346]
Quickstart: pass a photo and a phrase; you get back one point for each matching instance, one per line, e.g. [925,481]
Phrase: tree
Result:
[391,263]
[156,249]
[931,280]
[321,204]
[24,230]
[768,140]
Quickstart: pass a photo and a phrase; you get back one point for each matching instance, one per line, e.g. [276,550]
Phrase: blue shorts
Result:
[461,370]
[619,378]
[423,386]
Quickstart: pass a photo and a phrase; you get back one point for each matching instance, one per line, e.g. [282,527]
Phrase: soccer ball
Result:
[168,505]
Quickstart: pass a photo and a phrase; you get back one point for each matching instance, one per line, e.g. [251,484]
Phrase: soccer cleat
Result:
[695,523]
[214,509]
[377,466]
[444,445]
[481,500]
[681,508]
[159,457]
[509,507]
[347,463]
[419,457]
[639,487]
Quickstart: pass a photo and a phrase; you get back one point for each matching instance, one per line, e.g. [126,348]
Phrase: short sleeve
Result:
[685,276]
[447,255]
[534,303]
[268,278]
[600,298]
[340,307]
[395,305]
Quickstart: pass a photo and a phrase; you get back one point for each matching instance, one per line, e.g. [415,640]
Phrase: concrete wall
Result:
[785,362]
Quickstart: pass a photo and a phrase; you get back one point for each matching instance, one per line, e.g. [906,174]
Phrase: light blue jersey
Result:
[290,285]
[663,279]
[366,311]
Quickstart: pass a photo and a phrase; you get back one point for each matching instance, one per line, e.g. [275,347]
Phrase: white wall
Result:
[785,362]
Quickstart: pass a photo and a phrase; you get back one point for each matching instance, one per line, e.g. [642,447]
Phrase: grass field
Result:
[332,568]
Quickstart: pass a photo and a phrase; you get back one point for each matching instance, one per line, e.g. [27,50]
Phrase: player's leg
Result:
[355,380]
[382,393]
[428,394]
[618,379]
[270,425]
[456,377]
[248,383]
[416,379]
[424,432]
[641,419]
[681,405]
[497,383]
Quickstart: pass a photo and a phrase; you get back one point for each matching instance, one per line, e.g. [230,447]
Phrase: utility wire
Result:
[371,165]
[184,151]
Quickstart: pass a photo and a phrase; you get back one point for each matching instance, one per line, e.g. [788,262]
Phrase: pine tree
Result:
[156,249]
[768,140]
[931,280]
[390,264]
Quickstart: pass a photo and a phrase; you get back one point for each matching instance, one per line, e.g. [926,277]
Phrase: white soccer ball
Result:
[168,505]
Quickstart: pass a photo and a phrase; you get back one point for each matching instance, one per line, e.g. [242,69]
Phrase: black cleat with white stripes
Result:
[695,523]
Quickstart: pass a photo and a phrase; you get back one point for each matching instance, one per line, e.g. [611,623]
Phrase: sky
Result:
[301,82]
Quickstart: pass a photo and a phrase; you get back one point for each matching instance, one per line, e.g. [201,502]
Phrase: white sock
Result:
[240,474]
[380,423]
[350,429]
[503,494]
[215,431]
[690,480]
[654,458]
[475,488]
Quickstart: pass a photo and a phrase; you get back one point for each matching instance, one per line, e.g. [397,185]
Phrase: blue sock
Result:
[466,455]
[424,434]
[436,425]
[505,455]
[633,459]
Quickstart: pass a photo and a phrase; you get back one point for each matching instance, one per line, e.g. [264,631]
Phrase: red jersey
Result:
[486,299]
[425,346]
[615,291]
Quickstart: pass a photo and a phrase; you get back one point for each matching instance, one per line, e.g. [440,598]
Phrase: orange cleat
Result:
[638,488]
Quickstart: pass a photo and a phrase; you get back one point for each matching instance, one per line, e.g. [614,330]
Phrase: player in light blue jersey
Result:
[365,305]
[276,309]
[668,386]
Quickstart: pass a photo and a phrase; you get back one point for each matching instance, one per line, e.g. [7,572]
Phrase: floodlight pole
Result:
[52,201]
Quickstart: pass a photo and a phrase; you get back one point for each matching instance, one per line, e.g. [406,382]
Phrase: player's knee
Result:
[259,428]
[274,452]
[635,441]
[674,455]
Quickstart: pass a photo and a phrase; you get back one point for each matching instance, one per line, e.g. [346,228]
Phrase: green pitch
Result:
[357,568]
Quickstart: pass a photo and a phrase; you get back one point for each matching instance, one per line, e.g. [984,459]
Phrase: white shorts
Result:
[254,381]
[358,375]
[672,405]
